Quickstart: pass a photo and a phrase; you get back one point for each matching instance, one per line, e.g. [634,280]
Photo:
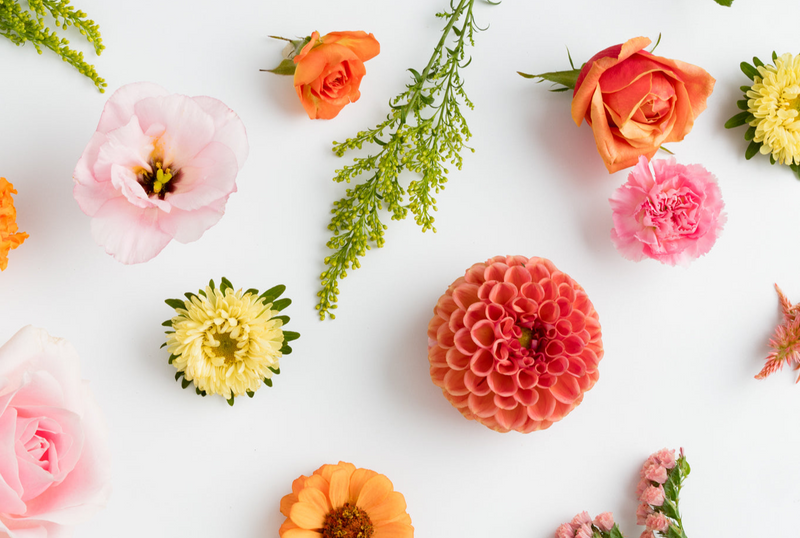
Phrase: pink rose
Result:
[604,521]
[54,462]
[160,167]
[672,213]
[657,522]
[653,495]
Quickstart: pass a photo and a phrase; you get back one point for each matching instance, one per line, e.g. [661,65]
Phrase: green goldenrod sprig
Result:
[424,131]
[22,25]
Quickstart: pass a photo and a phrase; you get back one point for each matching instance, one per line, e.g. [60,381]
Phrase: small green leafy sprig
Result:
[21,25]
[269,296]
[424,131]
[747,118]
[727,3]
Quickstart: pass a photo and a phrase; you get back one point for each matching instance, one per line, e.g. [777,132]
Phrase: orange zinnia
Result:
[9,238]
[340,501]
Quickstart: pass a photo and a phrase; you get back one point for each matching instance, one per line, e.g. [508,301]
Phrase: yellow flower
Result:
[228,342]
[774,100]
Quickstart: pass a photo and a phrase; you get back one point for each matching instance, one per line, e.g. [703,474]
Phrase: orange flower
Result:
[329,71]
[9,238]
[340,501]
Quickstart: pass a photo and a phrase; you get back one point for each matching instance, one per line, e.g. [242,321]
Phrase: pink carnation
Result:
[670,212]
[653,495]
[54,460]
[642,511]
[581,519]
[666,458]
[647,534]
[604,521]
[641,486]
[657,522]
[655,472]
[565,530]
[159,167]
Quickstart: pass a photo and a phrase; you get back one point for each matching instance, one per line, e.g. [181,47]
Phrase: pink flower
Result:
[671,213]
[581,519]
[514,344]
[654,472]
[584,531]
[159,167]
[565,530]
[657,522]
[642,511]
[641,486]
[653,495]
[666,457]
[647,534]
[604,521]
[786,341]
[54,462]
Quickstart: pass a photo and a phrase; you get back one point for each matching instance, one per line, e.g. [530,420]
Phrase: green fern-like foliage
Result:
[21,25]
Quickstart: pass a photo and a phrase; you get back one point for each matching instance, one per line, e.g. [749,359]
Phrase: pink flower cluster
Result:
[650,492]
[581,525]
[667,211]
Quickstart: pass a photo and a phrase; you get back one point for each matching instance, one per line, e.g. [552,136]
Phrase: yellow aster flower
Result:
[228,342]
[774,101]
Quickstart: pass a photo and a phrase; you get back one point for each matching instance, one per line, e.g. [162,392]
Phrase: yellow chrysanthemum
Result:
[774,100]
[226,342]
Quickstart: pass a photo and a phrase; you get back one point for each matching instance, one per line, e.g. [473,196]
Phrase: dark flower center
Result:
[347,522]
[160,182]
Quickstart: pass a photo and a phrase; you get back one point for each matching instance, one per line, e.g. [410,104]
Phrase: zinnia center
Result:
[160,181]
[347,522]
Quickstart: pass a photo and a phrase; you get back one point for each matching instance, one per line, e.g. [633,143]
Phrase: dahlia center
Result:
[227,348]
[160,181]
[526,337]
[347,521]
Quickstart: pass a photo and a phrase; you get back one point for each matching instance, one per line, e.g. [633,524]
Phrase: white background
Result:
[682,345]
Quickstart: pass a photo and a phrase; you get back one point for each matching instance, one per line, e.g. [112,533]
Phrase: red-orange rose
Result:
[635,101]
[329,71]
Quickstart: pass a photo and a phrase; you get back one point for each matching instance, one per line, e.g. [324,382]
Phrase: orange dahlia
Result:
[9,238]
[514,344]
[340,501]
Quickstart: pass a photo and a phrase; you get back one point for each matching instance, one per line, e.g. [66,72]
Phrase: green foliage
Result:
[424,131]
[724,2]
[22,25]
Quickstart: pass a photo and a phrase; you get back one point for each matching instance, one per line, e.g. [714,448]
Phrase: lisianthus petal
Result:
[308,515]
[126,146]
[119,107]
[189,226]
[228,128]
[188,128]
[128,233]
[207,177]
[374,492]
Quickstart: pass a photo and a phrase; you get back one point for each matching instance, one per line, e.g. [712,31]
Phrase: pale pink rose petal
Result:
[10,486]
[128,233]
[119,107]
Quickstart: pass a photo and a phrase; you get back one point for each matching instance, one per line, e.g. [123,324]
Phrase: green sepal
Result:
[175,303]
[288,336]
[163,345]
[749,70]
[752,149]
[201,292]
[615,532]
[286,349]
[189,295]
[683,465]
[567,79]
[211,284]
[250,393]
[200,392]
[271,294]
[774,56]
[286,68]
[742,104]
[726,3]
[280,305]
[745,89]
[267,381]
[772,159]
[225,284]
[274,371]
[750,134]
[172,358]
[185,382]
[669,509]
[675,532]
[230,401]
[178,375]
[167,323]
[757,62]
[739,119]
[252,291]
[796,169]
[284,319]
[670,487]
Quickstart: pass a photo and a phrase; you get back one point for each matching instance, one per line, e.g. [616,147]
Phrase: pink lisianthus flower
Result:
[657,522]
[669,212]
[604,521]
[159,167]
[54,459]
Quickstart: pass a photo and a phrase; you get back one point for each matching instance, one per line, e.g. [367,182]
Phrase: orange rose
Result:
[635,101]
[329,71]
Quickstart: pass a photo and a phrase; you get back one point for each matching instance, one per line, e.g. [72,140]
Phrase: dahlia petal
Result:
[503,293]
[475,313]
[464,342]
[394,530]
[566,389]
[454,383]
[375,490]
[437,376]
[307,516]
[485,289]
[445,336]
[495,312]
[475,273]
[483,334]
[390,508]
[128,233]
[564,307]
[339,491]
[526,397]
[465,295]
[457,360]
[495,271]
[482,362]
[573,345]
[434,325]
[505,402]
[543,407]
[482,406]
[554,348]
[518,276]
[457,320]
[476,384]
[538,271]
[512,419]
[502,385]
[527,379]
[533,291]
[576,367]
[438,356]
[446,306]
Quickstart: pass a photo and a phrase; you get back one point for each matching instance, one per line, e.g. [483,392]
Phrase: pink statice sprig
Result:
[659,488]
[785,343]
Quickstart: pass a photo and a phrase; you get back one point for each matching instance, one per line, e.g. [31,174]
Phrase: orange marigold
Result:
[9,238]
[340,501]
